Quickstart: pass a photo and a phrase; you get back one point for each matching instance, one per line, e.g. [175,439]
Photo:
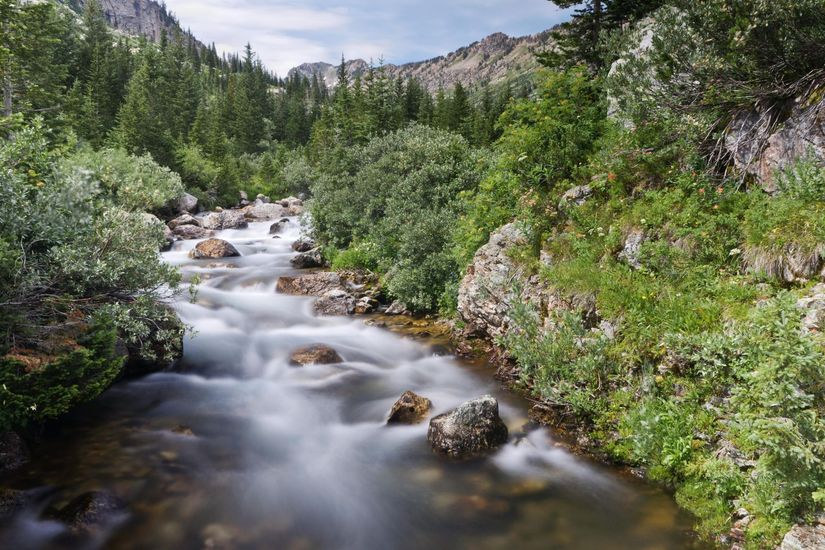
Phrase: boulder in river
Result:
[304,244]
[469,430]
[12,501]
[410,408]
[397,308]
[91,512]
[335,302]
[264,211]
[308,260]
[278,226]
[13,452]
[310,284]
[213,248]
[227,219]
[190,232]
[185,219]
[316,354]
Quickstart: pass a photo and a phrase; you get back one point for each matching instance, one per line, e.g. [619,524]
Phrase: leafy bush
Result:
[400,194]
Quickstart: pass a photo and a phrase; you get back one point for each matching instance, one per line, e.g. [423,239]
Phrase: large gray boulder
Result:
[184,219]
[469,430]
[187,204]
[813,309]
[335,302]
[265,211]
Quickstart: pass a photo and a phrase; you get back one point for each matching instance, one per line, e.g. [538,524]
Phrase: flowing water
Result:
[236,449]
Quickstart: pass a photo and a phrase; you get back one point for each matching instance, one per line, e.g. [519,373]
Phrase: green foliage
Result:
[398,193]
[33,395]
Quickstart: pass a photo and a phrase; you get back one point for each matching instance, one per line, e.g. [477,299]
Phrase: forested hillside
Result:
[639,233]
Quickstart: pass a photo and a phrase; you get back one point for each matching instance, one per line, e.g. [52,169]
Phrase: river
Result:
[237,449]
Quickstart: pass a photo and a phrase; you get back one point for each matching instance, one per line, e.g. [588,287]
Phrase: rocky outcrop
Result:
[469,430]
[213,248]
[139,17]
[410,408]
[631,250]
[191,232]
[13,452]
[495,59]
[813,309]
[316,354]
[486,291]
[308,260]
[91,512]
[804,537]
[770,138]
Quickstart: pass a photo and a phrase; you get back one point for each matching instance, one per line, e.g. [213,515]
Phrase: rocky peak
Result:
[137,17]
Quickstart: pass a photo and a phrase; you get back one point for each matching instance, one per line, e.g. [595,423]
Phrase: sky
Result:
[287,33]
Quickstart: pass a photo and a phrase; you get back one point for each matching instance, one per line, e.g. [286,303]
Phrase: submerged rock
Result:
[278,226]
[335,302]
[410,408]
[308,260]
[213,248]
[91,512]
[469,430]
[316,354]
[13,452]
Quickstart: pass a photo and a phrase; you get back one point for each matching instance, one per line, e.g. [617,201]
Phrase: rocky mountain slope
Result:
[496,58]
[136,17]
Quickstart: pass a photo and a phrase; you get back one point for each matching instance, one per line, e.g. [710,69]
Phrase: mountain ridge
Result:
[495,58]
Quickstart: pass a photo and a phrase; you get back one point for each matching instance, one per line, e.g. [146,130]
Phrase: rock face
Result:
[13,452]
[469,430]
[410,408]
[138,17]
[187,204]
[335,302]
[213,248]
[632,247]
[813,309]
[763,141]
[189,232]
[90,512]
[308,260]
[227,219]
[485,293]
[494,59]
[317,354]
[804,537]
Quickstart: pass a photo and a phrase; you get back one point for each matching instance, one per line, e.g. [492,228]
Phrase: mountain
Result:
[136,17]
[496,58]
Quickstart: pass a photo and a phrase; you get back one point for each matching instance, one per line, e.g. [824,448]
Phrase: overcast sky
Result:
[287,33]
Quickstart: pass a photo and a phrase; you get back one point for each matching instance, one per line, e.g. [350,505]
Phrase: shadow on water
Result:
[236,449]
